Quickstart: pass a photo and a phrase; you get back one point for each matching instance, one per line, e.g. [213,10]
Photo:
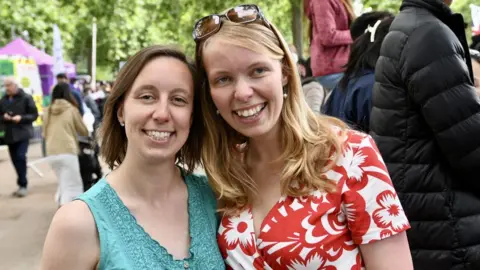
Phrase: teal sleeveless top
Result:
[125,245]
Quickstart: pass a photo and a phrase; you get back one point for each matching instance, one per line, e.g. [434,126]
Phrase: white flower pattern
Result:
[315,262]
[391,214]
[241,229]
[352,162]
[321,230]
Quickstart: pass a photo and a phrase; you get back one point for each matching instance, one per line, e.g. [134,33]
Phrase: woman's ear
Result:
[285,79]
[120,114]
[285,73]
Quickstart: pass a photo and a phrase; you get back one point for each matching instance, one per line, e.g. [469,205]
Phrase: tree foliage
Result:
[125,26]
[383,5]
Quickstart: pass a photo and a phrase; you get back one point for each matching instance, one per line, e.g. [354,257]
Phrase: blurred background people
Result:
[351,99]
[315,93]
[62,78]
[476,68]
[62,124]
[330,38]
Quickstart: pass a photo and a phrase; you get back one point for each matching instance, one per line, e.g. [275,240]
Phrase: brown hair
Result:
[309,140]
[63,91]
[350,11]
[114,139]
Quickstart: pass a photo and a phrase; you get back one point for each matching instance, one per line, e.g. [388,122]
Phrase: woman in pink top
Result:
[329,38]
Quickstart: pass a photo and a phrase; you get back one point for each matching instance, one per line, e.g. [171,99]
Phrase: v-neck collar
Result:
[257,241]
[268,217]
[165,257]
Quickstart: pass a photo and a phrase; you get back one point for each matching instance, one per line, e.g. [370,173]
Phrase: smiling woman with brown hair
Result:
[148,213]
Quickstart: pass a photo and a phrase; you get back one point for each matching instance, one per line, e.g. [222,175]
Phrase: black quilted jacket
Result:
[425,120]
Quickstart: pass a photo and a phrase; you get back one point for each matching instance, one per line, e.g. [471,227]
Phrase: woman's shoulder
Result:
[74,221]
[354,138]
[203,199]
[351,139]
[99,187]
[75,212]
[358,155]
[72,238]
[199,182]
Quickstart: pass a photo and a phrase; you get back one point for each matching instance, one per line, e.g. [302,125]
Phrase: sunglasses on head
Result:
[209,25]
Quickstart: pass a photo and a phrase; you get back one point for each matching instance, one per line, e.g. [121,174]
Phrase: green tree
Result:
[134,24]
[124,26]
[37,18]
[384,5]
[463,7]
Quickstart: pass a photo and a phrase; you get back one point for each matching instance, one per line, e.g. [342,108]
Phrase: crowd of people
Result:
[363,156]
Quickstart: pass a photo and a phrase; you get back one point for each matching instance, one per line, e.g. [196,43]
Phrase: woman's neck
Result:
[152,182]
[265,149]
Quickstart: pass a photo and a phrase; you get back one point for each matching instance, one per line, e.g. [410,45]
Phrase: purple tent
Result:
[44,61]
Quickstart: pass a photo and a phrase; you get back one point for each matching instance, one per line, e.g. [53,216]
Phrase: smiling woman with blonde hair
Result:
[296,190]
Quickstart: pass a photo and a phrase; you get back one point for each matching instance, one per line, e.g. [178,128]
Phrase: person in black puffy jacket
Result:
[426,122]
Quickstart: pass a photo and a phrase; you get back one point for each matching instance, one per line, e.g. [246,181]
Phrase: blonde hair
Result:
[308,139]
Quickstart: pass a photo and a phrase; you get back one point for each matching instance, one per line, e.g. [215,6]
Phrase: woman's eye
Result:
[222,80]
[147,97]
[179,100]
[259,71]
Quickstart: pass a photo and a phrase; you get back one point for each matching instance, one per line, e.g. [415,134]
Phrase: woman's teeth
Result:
[250,112]
[158,135]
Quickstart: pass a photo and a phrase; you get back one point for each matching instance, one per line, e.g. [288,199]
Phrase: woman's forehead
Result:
[216,46]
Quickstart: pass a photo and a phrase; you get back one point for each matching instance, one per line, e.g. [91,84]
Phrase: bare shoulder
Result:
[74,218]
[72,240]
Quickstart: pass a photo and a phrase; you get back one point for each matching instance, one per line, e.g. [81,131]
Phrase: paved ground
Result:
[24,222]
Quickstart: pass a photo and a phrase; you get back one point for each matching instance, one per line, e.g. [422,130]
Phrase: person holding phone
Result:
[17,113]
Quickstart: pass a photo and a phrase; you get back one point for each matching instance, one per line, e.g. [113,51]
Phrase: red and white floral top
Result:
[322,230]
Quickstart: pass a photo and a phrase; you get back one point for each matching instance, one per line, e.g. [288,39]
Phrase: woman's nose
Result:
[243,91]
[162,112]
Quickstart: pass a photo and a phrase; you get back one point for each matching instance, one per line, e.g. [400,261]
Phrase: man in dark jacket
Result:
[18,112]
[426,122]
